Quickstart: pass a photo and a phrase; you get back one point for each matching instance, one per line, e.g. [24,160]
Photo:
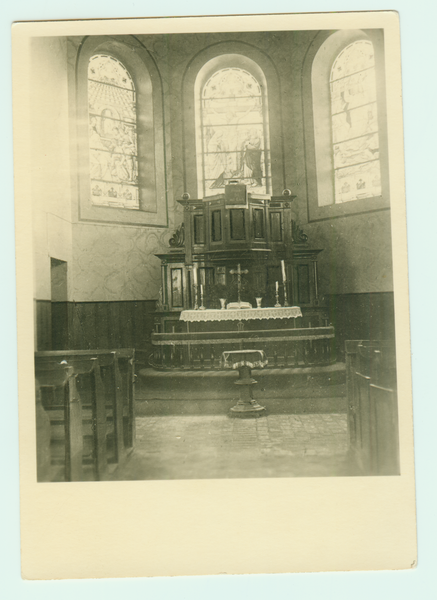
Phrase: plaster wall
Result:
[50,171]
[357,256]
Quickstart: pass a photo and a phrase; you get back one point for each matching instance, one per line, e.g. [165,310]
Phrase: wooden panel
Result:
[73,433]
[125,317]
[177,297]
[59,325]
[235,195]
[103,381]
[199,229]
[115,325]
[303,284]
[372,406]
[74,337]
[43,325]
[275,226]
[103,328]
[362,317]
[237,223]
[258,223]
[216,226]
[95,325]
[91,311]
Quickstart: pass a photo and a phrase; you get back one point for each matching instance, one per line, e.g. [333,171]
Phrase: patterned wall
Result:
[357,253]
[117,263]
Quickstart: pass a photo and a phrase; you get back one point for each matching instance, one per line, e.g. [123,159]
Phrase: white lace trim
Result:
[245,314]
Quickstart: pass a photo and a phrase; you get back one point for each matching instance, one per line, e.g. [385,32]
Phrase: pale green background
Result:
[419,90]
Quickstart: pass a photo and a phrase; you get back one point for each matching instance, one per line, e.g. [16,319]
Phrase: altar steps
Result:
[298,390]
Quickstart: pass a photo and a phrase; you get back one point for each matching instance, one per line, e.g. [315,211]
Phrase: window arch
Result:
[345,124]
[120,135]
[232,54]
[232,133]
[112,134]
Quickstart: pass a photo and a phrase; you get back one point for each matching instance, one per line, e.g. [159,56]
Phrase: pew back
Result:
[372,406]
[104,386]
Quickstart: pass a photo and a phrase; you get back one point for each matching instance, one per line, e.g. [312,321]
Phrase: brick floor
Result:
[218,446]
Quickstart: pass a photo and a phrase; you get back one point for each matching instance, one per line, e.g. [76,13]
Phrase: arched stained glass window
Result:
[232,132]
[112,134]
[355,139]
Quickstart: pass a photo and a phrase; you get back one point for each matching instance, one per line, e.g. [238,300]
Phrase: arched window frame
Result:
[113,133]
[209,69]
[243,51]
[153,208]
[318,125]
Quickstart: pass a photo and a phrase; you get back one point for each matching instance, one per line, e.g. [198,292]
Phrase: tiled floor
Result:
[218,446]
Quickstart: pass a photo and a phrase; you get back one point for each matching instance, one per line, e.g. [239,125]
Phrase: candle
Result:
[284,276]
[195,275]
[277,286]
[201,289]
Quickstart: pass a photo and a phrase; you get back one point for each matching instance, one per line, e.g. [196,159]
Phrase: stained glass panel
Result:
[359,150]
[112,134]
[355,123]
[233,132]
[359,181]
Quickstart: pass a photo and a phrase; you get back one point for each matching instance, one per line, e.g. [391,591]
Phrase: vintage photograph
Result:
[212,256]
[212,296]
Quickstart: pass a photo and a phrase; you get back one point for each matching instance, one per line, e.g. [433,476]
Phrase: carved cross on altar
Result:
[238,272]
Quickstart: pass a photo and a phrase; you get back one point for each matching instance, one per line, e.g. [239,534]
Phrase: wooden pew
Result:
[50,381]
[103,382]
[372,406]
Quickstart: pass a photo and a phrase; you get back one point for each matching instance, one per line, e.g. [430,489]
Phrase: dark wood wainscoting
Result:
[102,325]
[94,325]
[367,316]
[43,324]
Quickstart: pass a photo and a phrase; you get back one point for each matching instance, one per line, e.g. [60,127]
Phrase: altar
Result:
[210,333]
[240,274]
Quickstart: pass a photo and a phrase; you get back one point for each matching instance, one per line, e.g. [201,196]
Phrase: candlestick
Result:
[196,305]
[277,305]
[201,307]
[284,276]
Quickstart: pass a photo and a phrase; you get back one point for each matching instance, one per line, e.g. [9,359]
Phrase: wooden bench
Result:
[372,406]
[99,385]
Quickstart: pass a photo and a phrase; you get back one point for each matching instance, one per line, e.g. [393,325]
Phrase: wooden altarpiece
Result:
[238,250]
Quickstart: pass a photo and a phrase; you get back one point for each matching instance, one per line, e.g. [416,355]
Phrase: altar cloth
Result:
[243,314]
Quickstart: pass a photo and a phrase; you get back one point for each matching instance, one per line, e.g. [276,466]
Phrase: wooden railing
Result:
[372,406]
[85,410]
[283,347]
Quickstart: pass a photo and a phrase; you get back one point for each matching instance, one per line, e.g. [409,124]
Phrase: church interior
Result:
[213,282]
